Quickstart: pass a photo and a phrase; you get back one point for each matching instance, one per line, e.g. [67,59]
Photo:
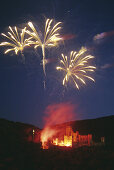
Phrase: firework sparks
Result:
[17,41]
[76,67]
[50,39]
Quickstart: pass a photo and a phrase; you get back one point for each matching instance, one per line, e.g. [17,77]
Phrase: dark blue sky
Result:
[22,96]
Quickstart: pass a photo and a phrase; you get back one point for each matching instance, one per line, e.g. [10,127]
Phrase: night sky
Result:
[22,94]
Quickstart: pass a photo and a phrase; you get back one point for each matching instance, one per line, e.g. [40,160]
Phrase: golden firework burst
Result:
[17,41]
[50,39]
[76,67]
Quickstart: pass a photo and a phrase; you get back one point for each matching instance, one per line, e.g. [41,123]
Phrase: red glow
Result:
[61,135]
[55,114]
[68,36]
[59,113]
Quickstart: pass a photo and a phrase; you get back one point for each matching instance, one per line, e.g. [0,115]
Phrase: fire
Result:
[46,135]
[66,142]
[56,114]
[56,137]
[64,136]
[61,134]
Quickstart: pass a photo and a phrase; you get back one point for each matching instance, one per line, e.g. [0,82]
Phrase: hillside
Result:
[15,132]
[97,127]
[19,153]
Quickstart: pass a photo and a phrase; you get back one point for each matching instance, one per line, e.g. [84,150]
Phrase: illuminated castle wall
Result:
[70,138]
[65,137]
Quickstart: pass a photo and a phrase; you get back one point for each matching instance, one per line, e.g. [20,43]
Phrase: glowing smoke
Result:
[56,114]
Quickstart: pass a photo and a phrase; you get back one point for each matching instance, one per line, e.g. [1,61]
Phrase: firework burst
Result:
[17,41]
[76,67]
[50,39]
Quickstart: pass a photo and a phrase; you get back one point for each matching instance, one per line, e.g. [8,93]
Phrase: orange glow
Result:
[66,142]
[46,135]
[59,134]
[56,114]
[64,137]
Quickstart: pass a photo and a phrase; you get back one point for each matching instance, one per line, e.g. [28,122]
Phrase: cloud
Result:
[105,66]
[103,35]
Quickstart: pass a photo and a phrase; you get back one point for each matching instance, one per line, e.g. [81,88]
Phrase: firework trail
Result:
[76,67]
[17,41]
[50,39]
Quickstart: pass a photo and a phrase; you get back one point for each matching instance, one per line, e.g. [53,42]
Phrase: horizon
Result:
[57,124]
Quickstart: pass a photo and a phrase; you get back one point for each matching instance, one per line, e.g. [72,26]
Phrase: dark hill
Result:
[15,132]
[16,153]
[98,127]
